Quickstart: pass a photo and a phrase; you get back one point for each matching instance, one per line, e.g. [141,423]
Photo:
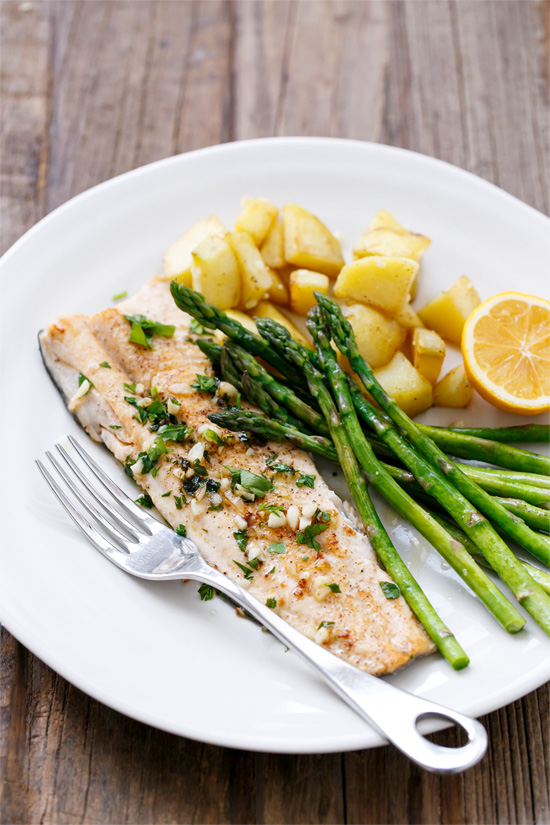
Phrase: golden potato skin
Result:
[273,248]
[256,218]
[216,272]
[447,313]
[378,337]
[303,283]
[406,385]
[278,291]
[255,277]
[454,389]
[428,353]
[177,261]
[308,243]
[378,281]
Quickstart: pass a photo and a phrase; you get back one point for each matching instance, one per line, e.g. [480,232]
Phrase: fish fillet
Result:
[331,594]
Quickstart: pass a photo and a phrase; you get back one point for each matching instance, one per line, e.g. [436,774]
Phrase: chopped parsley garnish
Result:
[308,535]
[165,495]
[179,501]
[204,383]
[206,592]
[197,329]
[130,387]
[277,466]
[193,484]
[106,365]
[390,590]
[334,587]
[181,530]
[212,486]
[212,435]
[141,412]
[253,483]
[278,548]
[174,432]
[241,537]
[305,558]
[271,571]
[148,459]
[305,481]
[145,501]
[271,603]
[143,329]
[120,295]
[114,426]
[278,509]
[325,624]
[81,379]
[248,573]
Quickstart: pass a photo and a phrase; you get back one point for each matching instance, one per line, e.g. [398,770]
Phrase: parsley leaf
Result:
[278,509]
[106,365]
[174,432]
[305,481]
[130,387]
[308,535]
[145,501]
[390,590]
[119,295]
[204,383]
[255,484]
[241,537]
[334,587]
[81,379]
[278,548]
[325,624]
[143,329]
[248,573]
[271,603]
[197,329]
[181,530]
[279,466]
[206,592]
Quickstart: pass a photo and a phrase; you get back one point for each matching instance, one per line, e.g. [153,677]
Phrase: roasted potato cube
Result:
[428,353]
[454,389]
[303,283]
[273,248]
[243,319]
[308,243]
[177,261]
[403,244]
[378,337]
[256,218]
[379,281]
[216,272]
[278,291]
[265,309]
[255,276]
[385,220]
[407,317]
[447,313]
[406,385]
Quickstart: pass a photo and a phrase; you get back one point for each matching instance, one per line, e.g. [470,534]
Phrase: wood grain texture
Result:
[92,89]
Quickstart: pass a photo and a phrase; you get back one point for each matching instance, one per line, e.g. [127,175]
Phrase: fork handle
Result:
[393,712]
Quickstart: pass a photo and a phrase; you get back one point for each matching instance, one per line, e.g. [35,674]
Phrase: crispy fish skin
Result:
[358,624]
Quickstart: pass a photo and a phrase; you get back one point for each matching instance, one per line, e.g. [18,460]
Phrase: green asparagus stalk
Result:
[452,551]
[381,542]
[443,481]
[265,402]
[458,444]
[512,476]
[535,517]
[213,318]
[542,578]
[502,486]
[524,433]
[212,350]
[229,373]
[281,394]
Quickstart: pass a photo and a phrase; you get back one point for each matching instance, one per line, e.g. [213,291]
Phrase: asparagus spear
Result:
[524,433]
[457,443]
[542,578]
[210,349]
[451,550]
[283,395]
[502,486]
[381,542]
[265,402]
[535,517]
[512,476]
[211,317]
[434,476]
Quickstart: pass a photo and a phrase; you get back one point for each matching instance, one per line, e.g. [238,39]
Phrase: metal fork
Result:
[139,544]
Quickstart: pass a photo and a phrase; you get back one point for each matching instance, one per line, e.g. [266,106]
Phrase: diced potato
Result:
[403,244]
[379,281]
[273,248]
[378,337]
[308,243]
[447,313]
[255,276]
[407,317]
[243,319]
[385,220]
[303,283]
[454,389]
[278,291]
[256,218]
[428,353]
[406,385]
[216,272]
[177,261]
[265,309]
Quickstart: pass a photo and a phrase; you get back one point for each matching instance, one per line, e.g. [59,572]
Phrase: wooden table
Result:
[92,89]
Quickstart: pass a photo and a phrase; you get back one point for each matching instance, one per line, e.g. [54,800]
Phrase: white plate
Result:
[154,651]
